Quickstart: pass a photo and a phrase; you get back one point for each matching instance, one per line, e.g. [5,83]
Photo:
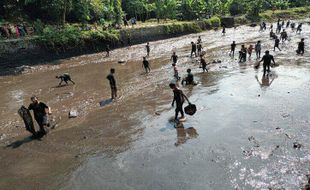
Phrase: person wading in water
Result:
[40,112]
[112,81]
[267,58]
[178,98]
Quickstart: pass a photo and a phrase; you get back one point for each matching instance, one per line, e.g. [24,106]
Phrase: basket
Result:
[190,109]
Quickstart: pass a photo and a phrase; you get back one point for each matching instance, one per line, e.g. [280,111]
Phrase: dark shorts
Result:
[42,120]
[179,107]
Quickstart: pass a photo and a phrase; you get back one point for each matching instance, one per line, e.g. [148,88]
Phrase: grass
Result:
[293,13]
[192,27]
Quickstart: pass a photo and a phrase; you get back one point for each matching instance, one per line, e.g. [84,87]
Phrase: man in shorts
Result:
[40,112]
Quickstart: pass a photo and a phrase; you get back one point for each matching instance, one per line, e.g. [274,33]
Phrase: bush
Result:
[180,28]
[72,37]
[205,24]
[215,21]
[294,13]
[38,26]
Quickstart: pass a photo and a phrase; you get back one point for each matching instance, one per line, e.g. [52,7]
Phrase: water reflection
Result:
[184,134]
[267,80]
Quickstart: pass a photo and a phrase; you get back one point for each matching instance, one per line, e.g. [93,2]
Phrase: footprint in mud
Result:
[297,145]
[252,139]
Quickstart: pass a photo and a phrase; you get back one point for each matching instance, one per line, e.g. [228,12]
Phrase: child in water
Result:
[176,72]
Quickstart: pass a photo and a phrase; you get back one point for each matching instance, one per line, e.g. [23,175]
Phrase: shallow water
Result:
[241,137]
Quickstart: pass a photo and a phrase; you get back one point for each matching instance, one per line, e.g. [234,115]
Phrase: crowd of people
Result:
[41,110]
[15,30]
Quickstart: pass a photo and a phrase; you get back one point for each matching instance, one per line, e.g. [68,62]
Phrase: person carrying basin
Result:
[267,58]
[178,98]
[40,112]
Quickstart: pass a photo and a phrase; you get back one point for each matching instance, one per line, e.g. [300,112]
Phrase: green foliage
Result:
[236,7]
[294,13]
[39,26]
[192,27]
[215,21]
[70,37]
[192,9]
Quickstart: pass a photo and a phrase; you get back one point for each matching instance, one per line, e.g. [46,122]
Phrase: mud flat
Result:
[242,136]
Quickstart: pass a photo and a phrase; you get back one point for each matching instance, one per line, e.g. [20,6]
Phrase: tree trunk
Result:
[63,21]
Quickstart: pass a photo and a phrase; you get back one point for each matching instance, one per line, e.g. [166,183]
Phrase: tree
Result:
[57,9]
[165,9]
[255,8]
[236,7]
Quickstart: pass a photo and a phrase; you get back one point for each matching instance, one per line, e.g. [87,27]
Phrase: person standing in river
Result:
[176,72]
[178,98]
[224,30]
[276,44]
[250,50]
[174,58]
[267,58]
[107,49]
[112,81]
[242,54]
[146,65]
[283,36]
[299,28]
[199,40]
[199,49]
[258,49]
[232,49]
[288,23]
[301,47]
[40,112]
[194,49]
[203,64]
[147,49]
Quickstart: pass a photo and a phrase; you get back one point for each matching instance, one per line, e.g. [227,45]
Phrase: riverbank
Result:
[54,45]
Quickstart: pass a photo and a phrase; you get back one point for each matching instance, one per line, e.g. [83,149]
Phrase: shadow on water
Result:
[184,134]
[267,80]
[26,140]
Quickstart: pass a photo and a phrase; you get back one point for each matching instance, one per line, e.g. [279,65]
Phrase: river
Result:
[242,136]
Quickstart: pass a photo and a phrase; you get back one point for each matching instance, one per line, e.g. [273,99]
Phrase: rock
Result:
[258,95]
[2,137]
[285,115]
[73,114]
[278,128]
[253,25]
[122,61]
[157,113]
[297,145]
[219,61]
[22,69]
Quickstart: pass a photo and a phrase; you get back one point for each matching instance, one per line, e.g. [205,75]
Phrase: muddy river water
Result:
[248,133]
